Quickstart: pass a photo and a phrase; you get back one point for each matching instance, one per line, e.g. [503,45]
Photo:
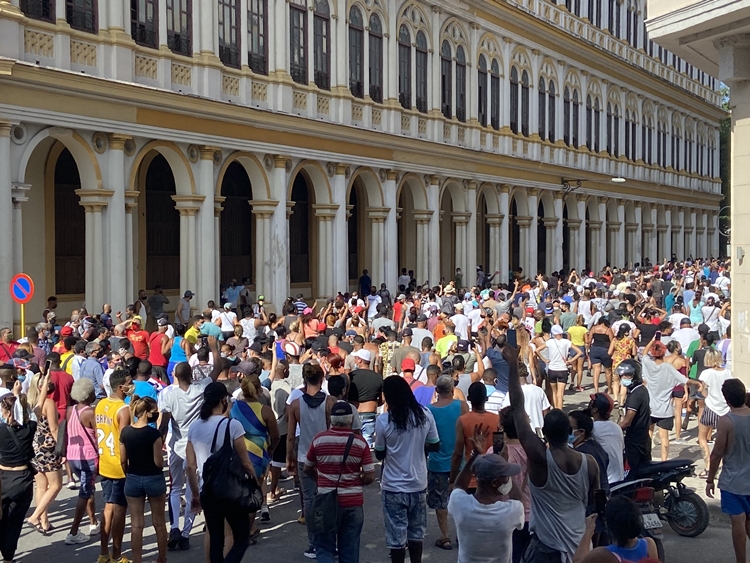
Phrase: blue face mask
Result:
[626,382]
[21,378]
[571,439]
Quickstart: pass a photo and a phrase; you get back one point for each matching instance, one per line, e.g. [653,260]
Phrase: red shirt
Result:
[6,351]
[154,345]
[327,450]
[139,340]
[397,309]
[61,395]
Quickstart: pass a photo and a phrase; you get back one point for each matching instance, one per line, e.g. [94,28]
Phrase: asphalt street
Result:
[283,539]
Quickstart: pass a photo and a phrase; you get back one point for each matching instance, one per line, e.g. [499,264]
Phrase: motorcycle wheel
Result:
[660,550]
[688,515]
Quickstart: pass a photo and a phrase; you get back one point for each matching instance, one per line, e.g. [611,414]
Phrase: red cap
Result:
[66,331]
[358,309]
[321,326]
[408,365]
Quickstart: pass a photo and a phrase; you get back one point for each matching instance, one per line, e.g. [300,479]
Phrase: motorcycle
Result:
[684,511]
[642,493]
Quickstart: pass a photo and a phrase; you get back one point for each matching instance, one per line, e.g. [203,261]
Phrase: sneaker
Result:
[72,485]
[103,558]
[95,530]
[184,543]
[174,538]
[310,553]
[265,515]
[122,559]
[80,537]
[680,442]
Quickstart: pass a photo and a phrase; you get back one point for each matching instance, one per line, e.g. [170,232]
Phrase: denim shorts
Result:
[85,470]
[437,490]
[114,491]
[405,517]
[142,486]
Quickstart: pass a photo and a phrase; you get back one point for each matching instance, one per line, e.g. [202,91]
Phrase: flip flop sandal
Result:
[37,527]
[444,543]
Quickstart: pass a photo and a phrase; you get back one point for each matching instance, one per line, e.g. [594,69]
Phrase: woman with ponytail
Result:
[143,464]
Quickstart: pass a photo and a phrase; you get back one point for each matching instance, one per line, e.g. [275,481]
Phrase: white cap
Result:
[363,355]
[556,329]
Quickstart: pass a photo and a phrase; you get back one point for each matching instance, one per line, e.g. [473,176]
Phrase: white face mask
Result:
[505,489]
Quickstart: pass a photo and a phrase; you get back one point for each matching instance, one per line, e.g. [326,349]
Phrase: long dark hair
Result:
[403,408]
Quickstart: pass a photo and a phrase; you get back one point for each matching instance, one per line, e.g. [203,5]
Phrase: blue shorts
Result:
[405,516]
[142,486]
[114,491]
[733,504]
[85,470]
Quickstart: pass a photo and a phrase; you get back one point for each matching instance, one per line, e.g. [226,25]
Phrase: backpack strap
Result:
[346,455]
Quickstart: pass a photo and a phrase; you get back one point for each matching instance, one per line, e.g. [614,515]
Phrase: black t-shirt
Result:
[698,356]
[366,386]
[10,454]
[593,448]
[647,332]
[348,348]
[139,444]
[636,435]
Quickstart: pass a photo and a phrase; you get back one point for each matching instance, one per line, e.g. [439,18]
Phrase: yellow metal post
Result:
[23,322]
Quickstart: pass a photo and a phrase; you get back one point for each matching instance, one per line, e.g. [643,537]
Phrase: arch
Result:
[355,15]
[417,189]
[521,199]
[454,31]
[612,210]
[456,192]
[255,172]
[545,199]
[489,47]
[88,167]
[237,223]
[595,90]
[573,82]
[411,196]
[661,215]
[371,183]
[317,176]
[571,204]
[178,162]
[491,198]
[662,116]
[631,105]
[520,58]
[548,69]
[613,97]
[592,208]
[629,211]
[414,16]
[676,121]
[647,111]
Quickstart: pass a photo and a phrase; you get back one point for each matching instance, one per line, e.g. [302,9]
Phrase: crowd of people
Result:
[457,391]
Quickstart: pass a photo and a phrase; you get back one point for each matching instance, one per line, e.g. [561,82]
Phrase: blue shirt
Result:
[501,367]
[232,294]
[445,420]
[92,369]
[143,389]
[210,329]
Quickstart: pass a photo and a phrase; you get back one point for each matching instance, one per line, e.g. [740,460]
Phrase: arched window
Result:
[566,116]
[712,149]
[589,124]
[675,148]
[542,109]
[611,16]
[514,99]
[647,142]
[356,53]
[576,112]
[633,156]
[609,128]
[39,9]
[629,135]
[229,32]
[525,104]
[688,153]
[551,113]
[661,144]
[446,80]
[298,41]
[143,28]
[636,21]
[460,84]
[482,86]
[597,124]
[179,26]
[257,31]
[421,63]
[81,15]
[322,44]
[699,153]
[404,67]
[376,59]
[495,95]
[616,131]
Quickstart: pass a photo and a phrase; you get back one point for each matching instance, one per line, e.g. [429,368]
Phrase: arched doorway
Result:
[447,238]
[515,237]
[162,224]
[69,225]
[541,239]
[353,231]
[407,230]
[483,234]
[237,225]
[589,258]
[565,240]
[300,231]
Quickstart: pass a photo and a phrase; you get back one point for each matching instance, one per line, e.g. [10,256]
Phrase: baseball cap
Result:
[66,331]
[162,322]
[137,319]
[557,329]
[23,364]
[261,298]
[408,365]
[407,332]
[401,296]
[341,408]
[215,392]
[358,309]
[685,321]
[548,309]
[363,355]
[422,318]
[248,367]
[306,311]
[188,293]
[350,333]
[489,467]
[603,402]
[459,307]
[227,305]
[291,348]
[462,345]
[703,328]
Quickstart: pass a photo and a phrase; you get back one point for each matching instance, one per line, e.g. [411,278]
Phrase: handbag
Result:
[225,481]
[61,443]
[325,507]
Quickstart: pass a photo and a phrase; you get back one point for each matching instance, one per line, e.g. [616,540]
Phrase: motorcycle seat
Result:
[653,467]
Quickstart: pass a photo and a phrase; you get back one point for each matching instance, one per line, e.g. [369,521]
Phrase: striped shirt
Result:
[326,452]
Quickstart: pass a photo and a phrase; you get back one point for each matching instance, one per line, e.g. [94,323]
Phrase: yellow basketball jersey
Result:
[108,437]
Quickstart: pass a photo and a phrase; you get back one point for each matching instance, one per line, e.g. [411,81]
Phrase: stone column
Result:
[206,187]
[714,232]
[533,244]
[461,220]
[557,241]
[264,211]
[433,202]
[279,242]
[524,258]
[679,229]
[638,237]
[132,265]
[595,232]
[19,198]
[423,220]
[692,243]
[576,253]
[6,224]
[620,240]
[495,222]
[550,225]
[613,232]
[662,243]
[631,234]
[340,241]
[648,237]
[602,234]
[93,202]
[668,236]
[218,200]
[653,246]
[470,262]
[188,208]
[378,217]
[390,231]
[581,258]
[504,233]
[325,214]
[116,271]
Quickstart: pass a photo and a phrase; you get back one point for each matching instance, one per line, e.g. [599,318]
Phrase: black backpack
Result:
[225,480]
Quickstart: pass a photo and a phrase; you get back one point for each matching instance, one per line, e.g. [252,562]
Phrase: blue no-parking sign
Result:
[21,288]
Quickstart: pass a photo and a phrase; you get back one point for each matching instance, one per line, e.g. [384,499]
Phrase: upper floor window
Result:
[446,79]
[460,84]
[542,109]
[495,95]
[257,31]
[551,113]
[519,120]
[376,58]
[298,42]
[700,151]
[421,77]
[39,9]
[81,15]
[661,144]
[571,112]
[688,153]
[593,123]
[356,53]
[179,23]
[482,86]
[630,135]
[229,32]
[647,140]
[573,6]
[675,148]
[711,157]
[404,67]
[143,26]
[322,44]
[595,12]
[514,99]
[525,104]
